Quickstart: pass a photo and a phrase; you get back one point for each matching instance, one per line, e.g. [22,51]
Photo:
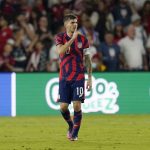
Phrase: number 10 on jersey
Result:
[80,91]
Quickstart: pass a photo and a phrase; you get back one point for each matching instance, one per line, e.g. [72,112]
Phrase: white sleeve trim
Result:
[86,51]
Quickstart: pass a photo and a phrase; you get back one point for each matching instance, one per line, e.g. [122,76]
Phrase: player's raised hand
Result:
[89,84]
[75,34]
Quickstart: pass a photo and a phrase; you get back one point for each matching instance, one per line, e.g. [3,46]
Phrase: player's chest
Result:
[76,47]
[77,44]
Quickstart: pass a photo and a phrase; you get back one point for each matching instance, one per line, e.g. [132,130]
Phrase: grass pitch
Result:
[98,132]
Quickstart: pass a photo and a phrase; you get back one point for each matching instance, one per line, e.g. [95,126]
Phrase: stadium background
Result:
[29,66]
[27,45]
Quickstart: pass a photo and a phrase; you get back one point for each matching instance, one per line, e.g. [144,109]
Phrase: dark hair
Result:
[69,17]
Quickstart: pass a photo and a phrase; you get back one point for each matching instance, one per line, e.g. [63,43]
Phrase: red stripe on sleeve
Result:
[83,40]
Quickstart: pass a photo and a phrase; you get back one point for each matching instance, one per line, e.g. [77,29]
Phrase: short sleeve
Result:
[86,51]
[58,39]
[86,48]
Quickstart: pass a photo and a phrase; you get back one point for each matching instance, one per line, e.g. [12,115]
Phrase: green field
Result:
[98,132]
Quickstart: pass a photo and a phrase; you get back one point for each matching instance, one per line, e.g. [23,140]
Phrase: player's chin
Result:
[72,31]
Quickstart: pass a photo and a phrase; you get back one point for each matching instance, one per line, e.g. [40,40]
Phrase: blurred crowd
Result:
[118,32]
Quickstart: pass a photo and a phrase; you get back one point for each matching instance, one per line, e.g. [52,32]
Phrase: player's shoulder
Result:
[61,34]
[81,35]
[59,37]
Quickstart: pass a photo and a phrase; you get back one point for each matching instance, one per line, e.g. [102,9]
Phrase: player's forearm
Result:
[89,71]
[63,48]
[88,65]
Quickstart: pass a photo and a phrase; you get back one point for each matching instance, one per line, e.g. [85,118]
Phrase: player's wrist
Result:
[89,77]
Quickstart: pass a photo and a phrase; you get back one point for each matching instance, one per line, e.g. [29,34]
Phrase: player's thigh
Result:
[64,92]
[78,91]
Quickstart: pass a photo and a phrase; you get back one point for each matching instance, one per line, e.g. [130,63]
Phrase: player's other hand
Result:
[89,84]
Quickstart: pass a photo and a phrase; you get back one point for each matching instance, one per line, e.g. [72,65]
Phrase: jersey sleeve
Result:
[58,39]
[86,44]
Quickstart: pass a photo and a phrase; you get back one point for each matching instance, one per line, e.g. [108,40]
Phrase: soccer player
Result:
[73,49]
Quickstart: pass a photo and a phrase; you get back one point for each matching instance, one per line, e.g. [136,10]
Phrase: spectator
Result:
[97,64]
[5,33]
[88,30]
[118,31]
[27,21]
[123,12]
[148,51]
[137,4]
[19,53]
[38,59]
[53,65]
[43,32]
[25,8]
[105,20]
[133,51]
[6,60]
[146,16]
[139,30]
[22,23]
[39,8]
[57,11]
[110,51]
[8,9]
[80,6]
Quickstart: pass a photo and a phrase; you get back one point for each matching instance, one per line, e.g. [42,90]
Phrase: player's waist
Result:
[72,76]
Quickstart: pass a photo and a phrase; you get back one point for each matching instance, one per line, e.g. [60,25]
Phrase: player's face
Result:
[71,25]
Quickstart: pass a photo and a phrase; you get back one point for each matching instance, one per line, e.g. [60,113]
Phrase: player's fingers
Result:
[87,86]
[75,28]
[90,87]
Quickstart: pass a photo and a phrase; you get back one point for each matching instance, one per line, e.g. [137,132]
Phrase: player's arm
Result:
[61,49]
[88,65]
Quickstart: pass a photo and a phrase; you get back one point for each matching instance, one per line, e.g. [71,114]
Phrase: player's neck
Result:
[69,34]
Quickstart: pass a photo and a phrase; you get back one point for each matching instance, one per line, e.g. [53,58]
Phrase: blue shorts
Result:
[71,91]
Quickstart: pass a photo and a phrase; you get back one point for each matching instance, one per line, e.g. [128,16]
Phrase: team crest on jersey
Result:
[79,45]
